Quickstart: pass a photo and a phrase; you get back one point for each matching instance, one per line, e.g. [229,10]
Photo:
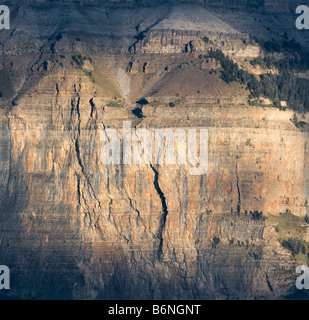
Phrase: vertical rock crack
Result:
[164,208]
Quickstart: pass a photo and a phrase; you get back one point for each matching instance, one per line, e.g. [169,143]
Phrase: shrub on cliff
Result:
[215,241]
[284,86]
[294,245]
[256,215]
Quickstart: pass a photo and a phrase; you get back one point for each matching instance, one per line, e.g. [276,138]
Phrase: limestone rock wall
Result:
[73,227]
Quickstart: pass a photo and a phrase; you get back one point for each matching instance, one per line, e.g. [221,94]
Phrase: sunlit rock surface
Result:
[73,227]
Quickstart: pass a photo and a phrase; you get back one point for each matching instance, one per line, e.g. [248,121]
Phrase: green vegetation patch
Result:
[259,61]
[282,87]
[291,230]
[79,60]
[89,75]
[294,245]
[115,104]
[290,225]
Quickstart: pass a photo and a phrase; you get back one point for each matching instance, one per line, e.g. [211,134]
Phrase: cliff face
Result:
[74,227]
[142,232]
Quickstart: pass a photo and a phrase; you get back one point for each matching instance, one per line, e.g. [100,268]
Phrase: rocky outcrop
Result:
[143,231]
[75,227]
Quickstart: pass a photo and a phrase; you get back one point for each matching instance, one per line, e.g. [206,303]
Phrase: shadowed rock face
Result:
[271,5]
[73,227]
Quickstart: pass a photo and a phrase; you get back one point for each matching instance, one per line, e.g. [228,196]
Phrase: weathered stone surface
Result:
[72,227]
